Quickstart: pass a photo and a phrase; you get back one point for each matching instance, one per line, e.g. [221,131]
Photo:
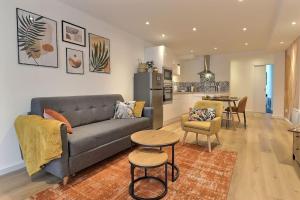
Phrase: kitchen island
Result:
[181,103]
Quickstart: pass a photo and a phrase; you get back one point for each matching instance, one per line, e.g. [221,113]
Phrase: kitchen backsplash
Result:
[218,86]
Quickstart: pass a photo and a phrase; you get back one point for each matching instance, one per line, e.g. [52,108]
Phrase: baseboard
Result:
[288,121]
[12,168]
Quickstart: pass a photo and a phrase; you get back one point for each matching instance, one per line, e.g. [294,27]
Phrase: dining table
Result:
[231,101]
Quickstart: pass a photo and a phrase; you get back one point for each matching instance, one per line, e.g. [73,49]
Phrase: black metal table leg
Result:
[132,179]
[166,177]
[163,183]
[173,165]
[173,162]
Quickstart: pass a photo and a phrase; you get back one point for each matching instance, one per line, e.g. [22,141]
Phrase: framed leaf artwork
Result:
[73,34]
[37,39]
[99,54]
[74,61]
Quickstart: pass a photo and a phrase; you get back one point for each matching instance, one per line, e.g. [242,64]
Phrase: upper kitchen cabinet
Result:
[162,56]
[176,69]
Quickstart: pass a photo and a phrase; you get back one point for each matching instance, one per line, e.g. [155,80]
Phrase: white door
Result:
[259,89]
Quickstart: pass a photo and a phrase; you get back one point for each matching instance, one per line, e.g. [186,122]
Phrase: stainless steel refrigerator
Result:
[148,87]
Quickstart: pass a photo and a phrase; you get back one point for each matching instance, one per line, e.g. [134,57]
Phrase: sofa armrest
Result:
[60,167]
[148,112]
[216,125]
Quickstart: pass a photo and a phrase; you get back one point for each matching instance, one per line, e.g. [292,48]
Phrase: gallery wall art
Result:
[73,34]
[37,39]
[99,54]
[74,61]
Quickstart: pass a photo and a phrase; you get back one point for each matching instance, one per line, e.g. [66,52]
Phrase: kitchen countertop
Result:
[209,93]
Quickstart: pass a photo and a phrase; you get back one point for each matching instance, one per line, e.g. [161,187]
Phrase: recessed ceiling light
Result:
[192,51]
[147,23]
[240,0]
[246,44]
[215,48]
[281,42]
[294,23]
[194,29]
[163,35]
[245,29]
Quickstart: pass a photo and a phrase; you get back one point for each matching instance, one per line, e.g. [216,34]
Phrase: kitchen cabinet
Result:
[162,57]
[181,104]
[176,70]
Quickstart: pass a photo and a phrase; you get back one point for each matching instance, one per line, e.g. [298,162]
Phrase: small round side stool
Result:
[147,158]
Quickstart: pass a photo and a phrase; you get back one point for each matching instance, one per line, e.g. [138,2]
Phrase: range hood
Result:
[206,75]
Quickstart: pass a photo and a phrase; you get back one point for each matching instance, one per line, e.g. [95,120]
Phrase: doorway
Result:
[269,89]
[263,89]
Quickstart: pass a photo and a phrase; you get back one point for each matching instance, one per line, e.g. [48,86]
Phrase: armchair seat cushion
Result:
[201,125]
[87,137]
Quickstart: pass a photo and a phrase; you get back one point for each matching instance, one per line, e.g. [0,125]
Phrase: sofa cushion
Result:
[90,136]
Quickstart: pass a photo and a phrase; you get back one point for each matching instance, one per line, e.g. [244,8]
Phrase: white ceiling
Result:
[219,22]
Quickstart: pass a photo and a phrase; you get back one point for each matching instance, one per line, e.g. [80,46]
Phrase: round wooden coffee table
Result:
[159,138]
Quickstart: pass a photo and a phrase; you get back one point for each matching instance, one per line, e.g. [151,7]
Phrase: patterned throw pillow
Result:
[204,114]
[124,110]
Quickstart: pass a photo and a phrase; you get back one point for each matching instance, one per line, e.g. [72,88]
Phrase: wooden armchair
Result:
[207,128]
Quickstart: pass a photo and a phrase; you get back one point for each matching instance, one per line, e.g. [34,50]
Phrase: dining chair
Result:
[241,108]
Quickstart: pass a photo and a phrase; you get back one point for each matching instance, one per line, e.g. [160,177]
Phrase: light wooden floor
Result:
[264,169]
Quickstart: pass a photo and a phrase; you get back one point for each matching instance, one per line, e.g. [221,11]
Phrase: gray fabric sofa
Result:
[96,136]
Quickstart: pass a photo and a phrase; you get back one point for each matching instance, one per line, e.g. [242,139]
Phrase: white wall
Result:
[242,77]
[278,84]
[19,83]
[219,64]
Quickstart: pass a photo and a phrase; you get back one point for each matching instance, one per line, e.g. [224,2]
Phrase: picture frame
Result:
[99,54]
[74,61]
[36,39]
[73,34]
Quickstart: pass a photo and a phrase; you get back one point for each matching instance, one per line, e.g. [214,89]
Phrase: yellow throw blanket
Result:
[40,140]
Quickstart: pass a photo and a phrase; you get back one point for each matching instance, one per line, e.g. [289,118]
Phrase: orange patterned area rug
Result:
[203,175]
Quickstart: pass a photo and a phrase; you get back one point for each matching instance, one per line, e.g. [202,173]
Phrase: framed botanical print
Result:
[99,54]
[73,34]
[37,39]
[74,61]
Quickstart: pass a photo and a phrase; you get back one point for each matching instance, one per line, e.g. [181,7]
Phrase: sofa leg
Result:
[209,145]
[184,137]
[65,180]
[197,138]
